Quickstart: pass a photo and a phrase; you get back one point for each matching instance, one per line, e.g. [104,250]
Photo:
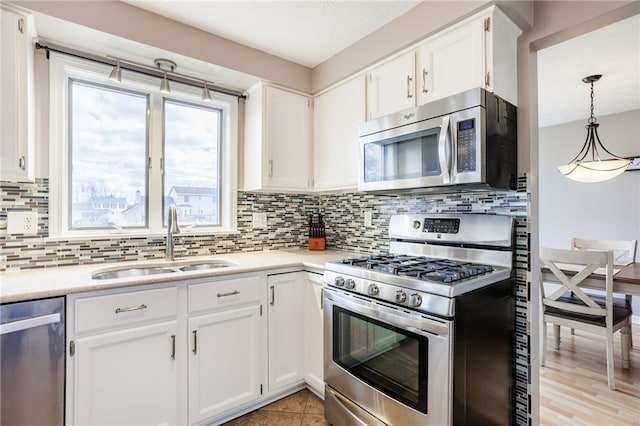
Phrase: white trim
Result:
[61,69]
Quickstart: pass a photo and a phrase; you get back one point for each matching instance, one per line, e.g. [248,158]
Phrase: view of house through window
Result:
[191,162]
[108,142]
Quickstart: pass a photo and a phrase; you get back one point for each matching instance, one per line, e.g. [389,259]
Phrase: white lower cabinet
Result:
[314,366]
[122,369]
[286,321]
[225,350]
[192,352]
[127,377]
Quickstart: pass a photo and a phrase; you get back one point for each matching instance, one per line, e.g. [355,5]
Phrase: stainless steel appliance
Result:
[422,335]
[466,141]
[32,343]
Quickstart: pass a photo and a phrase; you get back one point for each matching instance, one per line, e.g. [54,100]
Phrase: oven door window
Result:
[403,157]
[390,359]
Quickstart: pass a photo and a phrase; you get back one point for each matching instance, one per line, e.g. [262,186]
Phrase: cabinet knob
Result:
[22,162]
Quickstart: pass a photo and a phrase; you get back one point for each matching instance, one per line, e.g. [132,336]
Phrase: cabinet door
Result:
[286,322]
[451,63]
[337,115]
[14,74]
[126,377]
[288,132]
[224,361]
[314,334]
[391,86]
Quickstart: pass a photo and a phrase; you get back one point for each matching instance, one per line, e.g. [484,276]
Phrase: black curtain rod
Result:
[125,65]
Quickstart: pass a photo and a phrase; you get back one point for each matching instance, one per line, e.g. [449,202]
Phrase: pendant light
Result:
[164,86]
[587,166]
[116,73]
[166,65]
[206,96]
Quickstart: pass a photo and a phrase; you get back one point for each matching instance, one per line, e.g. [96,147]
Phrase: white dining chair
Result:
[570,306]
[624,251]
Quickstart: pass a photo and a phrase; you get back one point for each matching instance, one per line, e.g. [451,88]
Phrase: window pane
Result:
[108,152]
[192,162]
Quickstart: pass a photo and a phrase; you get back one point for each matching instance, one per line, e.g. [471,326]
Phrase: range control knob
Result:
[350,284]
[339,281]
[415,300]
[401,296]
[373,290]
[416,224]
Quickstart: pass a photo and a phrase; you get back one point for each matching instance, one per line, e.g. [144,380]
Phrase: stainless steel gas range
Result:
[422,335]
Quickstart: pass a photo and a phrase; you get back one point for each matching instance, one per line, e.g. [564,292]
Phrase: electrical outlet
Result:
[368,221]
[25,223]
[259,220]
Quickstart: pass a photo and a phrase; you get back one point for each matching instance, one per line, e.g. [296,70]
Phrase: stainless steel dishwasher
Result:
[32,343]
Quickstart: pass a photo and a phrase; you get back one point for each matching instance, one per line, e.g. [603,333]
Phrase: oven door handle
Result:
[423,326]
[444,144]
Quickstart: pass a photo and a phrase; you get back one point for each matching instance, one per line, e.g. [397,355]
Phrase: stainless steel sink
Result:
[141,271]
[202,266]
[131,272]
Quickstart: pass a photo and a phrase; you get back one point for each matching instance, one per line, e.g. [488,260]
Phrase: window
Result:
[123,153]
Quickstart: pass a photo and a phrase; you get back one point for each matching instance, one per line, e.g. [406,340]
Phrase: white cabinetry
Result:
[277,140]
[286,321]
[122,363]
[226,347]
[478,52]
[314,367]
[337,115]
[16,91]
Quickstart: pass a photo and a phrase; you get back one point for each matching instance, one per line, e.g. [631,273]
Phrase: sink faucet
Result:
[172,228]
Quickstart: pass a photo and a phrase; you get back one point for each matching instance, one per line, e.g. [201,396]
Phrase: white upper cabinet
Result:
[16,87]
[277,140]
[391,86]
[337,115]
[478,52]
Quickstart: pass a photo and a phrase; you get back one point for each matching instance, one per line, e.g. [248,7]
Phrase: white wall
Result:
[605,210]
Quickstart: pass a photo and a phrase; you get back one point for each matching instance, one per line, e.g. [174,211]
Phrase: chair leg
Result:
[556,336]
[625,335]
[543,346]
[630,303]
[610,376]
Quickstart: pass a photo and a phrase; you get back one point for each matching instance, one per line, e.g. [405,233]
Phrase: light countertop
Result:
[49,282]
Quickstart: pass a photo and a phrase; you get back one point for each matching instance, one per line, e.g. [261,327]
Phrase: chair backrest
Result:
[586,262]
[624,251]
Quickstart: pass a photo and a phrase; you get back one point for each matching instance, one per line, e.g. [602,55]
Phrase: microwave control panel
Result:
[466,146]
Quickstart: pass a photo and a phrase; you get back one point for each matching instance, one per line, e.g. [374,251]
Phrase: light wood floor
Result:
[573,384]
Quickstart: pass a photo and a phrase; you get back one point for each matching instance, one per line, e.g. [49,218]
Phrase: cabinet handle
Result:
[21,25]
[173,347]
[271,168]
[424,81]
[131,308]
[321,298]
[234,292]
[22,162]
[273,295]
[195,342]
[409,95]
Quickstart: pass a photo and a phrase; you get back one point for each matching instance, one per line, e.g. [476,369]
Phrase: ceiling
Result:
[307,32]
[613,51]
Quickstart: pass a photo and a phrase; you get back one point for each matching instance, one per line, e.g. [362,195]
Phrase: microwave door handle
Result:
[443,143]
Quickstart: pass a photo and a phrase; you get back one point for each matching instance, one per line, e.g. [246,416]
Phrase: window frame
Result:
[63,68]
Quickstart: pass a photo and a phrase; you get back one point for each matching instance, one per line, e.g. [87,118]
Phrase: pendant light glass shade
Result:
[164,86]
[116,73]
[587,166]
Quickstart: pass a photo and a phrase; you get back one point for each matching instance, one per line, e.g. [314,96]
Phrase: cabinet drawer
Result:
[93,313]
[221,294]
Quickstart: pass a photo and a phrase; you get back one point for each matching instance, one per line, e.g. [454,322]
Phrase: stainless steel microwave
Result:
[462,142]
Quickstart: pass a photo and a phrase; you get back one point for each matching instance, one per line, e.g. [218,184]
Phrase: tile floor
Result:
[302,408]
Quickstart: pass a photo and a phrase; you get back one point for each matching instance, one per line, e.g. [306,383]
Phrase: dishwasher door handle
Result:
[25,324]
